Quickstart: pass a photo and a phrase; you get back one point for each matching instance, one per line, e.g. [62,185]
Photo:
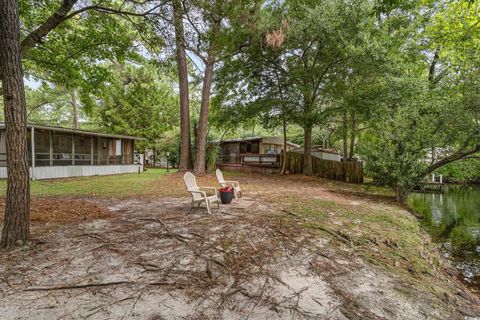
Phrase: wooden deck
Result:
[261,163]
[351,171]
[436,187]
[260,168]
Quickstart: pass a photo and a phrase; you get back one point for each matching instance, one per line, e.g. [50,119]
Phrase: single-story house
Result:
[55,152]
[321,153]
[254,150]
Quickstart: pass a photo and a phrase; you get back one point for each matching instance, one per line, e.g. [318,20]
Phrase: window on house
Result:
[255,147]
[62,149]
[102,151]
[42,148]
[248,147]
[118,147]
[244,147]
[83,151]
[270,148]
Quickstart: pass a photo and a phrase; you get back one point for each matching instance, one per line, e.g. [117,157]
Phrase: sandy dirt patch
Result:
[154,260]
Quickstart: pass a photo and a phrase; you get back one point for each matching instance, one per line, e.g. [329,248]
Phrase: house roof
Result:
[257,138]
[78,131]
[317,149]
[242,139]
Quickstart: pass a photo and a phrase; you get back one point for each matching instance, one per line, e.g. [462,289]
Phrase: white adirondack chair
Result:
[199,194]
[235,184]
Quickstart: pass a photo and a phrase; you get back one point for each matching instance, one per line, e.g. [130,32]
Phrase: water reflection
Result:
[453,219]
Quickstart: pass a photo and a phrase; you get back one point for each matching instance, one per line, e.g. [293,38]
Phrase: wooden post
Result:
[122,151]
[132,156]
[50,156]
[108,151]
[91,150]
[73,149]
[32,138]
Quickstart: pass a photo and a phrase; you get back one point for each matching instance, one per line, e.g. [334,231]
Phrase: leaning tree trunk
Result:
[16,228]
[307,155]
[185,143]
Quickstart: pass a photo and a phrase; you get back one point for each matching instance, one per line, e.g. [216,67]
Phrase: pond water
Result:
[453,219]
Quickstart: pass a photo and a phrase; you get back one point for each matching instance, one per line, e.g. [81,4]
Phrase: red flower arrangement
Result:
[226,189]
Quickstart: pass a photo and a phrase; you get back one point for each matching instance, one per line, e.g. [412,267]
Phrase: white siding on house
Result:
[320,154]
[77,171]
[272,158]
[326,156]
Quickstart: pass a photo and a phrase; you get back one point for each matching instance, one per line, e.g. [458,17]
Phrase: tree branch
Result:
[52,22]
[37,107]
[63,14]
[454,157]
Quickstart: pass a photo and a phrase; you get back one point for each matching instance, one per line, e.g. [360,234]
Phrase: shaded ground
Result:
[52,211]
[305,249]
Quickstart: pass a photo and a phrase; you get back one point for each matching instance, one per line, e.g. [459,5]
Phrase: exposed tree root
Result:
[77,286]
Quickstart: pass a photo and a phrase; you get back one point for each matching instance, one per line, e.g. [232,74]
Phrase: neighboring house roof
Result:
[316,149]
[78,131]
[266,139]
[240,139]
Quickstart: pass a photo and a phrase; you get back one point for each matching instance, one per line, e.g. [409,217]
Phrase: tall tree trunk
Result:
[16,228]
[74,109]
[401,194]
[48,25]
[194,122]
[199,167]
[345,137]
[307,155]
[352,138]
[352,146]
[185,142]
[284,153]
[154,157]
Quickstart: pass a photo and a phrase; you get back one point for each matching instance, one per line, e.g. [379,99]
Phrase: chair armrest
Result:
[197,191]
[210,189]
[234,183]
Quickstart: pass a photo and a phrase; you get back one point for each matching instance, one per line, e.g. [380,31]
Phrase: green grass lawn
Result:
[115,185]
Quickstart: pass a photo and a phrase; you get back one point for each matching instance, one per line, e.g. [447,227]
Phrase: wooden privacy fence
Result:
[351,171]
